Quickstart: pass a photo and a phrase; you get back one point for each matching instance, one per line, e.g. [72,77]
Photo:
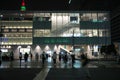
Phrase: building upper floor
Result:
[29,26]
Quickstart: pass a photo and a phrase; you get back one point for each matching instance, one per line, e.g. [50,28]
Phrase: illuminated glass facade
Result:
[63,24]
[17,32]
[88,29]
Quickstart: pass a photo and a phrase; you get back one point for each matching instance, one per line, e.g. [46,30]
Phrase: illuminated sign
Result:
[52,40]
[56,40]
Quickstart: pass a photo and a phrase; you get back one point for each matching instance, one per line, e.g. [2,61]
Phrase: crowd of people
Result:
[43,57]
[64,57]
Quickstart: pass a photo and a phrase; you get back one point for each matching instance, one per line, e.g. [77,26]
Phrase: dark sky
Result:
[59,4]
[36,4]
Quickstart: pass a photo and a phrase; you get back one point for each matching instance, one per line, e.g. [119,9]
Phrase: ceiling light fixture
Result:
[70,1]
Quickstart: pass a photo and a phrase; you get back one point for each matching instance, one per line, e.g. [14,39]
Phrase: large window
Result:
[74,19]
[17,32]
[41,33]
[94,33]
[94,16]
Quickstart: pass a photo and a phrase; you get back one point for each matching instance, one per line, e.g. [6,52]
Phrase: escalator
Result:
[66,27]
[63,50]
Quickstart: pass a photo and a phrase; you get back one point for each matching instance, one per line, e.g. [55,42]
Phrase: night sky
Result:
[59,4]
[37,4]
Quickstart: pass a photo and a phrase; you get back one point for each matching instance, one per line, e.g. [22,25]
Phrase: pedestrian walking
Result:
[43,56]
[73,58]
[20,56]
[65,58]
[60,56]
[36,56]
[26,57]
[84,60]
[54,57]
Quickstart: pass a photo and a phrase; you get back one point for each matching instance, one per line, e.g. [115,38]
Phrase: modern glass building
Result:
[49,31]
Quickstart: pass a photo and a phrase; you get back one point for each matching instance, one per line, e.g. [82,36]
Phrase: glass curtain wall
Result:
[94,18]
[41,30]
[64,24]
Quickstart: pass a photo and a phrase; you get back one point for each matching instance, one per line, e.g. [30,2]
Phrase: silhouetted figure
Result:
[43,56]
[60,56]
[65,57]
[20,56]
[73,58]
[36,56]
[84,59]
[54,57]
[26,57]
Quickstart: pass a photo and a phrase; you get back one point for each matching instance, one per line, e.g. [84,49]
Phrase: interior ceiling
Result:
[60,4]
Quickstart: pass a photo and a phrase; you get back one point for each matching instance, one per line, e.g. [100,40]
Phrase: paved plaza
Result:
[34,70]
